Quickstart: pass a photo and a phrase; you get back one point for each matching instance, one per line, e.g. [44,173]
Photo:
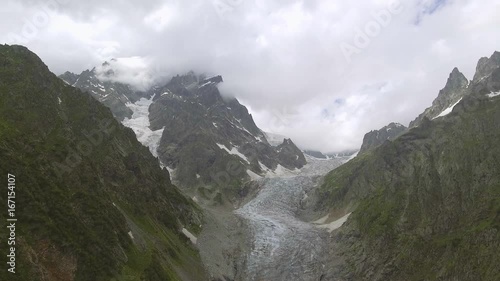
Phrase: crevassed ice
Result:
[283,246]
[140,124]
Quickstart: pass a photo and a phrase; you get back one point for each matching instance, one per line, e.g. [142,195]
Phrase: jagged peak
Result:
[456,78]
[486,66]
[395,124]
[68,73]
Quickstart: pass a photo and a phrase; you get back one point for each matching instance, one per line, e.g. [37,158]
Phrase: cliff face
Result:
[99,84]
[92,202]
[453,92]
[375,138]
[427,204]
[212,142]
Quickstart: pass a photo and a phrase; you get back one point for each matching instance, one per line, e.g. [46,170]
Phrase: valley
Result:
[188,187]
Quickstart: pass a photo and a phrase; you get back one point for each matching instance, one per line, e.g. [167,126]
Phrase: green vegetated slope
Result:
[426,205]
[84,187]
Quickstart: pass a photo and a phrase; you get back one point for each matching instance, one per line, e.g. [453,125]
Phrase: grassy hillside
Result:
[427,205]
[84,187]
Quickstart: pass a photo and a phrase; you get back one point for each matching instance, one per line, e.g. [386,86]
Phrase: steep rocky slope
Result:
[378,137]
[427,205]
[450,95]
[212,142]
[99,83]
[92,203]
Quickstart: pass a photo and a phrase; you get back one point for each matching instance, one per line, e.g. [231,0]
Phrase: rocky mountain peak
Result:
[378,137]
[456,80]
[207,132]
[69,77]
[454,90]
[486,66]
[113,95]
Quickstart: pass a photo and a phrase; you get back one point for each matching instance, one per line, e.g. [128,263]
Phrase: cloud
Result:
[282,58]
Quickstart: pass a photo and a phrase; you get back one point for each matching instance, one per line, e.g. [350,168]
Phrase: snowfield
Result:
[140,124]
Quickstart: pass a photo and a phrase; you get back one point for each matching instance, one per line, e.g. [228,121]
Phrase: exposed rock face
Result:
[113,95]
[378,137]
[455,89]
[486,66]
[92,200]
[289,155]
[213,141]
[425,204]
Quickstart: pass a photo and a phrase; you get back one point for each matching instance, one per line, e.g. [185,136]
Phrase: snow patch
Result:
[233,151]
[206,84]
[189,235]
[321,220]
[139,123]
[333,225]
[253,176]
[448,110]
[494,94]
[131,235]
[59,100]
[170,170]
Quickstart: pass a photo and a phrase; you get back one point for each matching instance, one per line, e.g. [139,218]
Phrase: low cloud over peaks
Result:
[283,59]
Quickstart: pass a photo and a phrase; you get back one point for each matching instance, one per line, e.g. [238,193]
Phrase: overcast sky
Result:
[323,72]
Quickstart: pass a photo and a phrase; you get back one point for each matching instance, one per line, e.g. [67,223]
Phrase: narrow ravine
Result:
[284,247]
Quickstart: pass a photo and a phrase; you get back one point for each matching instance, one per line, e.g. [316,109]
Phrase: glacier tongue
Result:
[285,247]
[140,124]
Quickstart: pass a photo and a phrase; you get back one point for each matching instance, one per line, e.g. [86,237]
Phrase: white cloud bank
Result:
[282,58]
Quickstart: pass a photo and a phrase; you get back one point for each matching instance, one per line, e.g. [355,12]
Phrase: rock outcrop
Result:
[426,204]
[212,142]
[100,85]
[375,138]
[451,94]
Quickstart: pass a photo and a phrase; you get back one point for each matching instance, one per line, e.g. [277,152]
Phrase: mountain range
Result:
[209,142]
[116,183]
